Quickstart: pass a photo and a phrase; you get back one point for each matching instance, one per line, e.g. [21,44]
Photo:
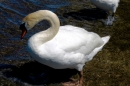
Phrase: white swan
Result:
[61,47]
[107,5]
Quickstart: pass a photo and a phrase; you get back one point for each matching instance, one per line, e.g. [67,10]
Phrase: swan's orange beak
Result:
[24,30]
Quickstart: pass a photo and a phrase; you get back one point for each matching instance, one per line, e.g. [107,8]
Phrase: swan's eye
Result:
[22,26]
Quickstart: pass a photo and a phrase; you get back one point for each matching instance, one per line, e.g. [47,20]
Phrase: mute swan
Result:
[107,5]
[61,47]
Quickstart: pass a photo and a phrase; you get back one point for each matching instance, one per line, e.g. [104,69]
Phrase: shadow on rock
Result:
[38,74]
[87,14]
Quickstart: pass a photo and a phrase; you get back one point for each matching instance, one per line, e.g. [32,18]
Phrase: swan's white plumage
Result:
[107,5]
[71,47]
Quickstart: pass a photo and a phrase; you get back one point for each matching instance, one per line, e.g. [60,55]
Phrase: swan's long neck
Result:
[43,36]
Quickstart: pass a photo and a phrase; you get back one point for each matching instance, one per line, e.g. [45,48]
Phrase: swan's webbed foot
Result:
[110,20]
[74,82]
[81,78]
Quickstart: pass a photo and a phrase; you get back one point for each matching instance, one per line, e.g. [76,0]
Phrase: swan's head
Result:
[32,19]
[24,30]
[29,22]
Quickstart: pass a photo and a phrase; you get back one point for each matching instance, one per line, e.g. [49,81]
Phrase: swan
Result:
[61,47]
[109,6]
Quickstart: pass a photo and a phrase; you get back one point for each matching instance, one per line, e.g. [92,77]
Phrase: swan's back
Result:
[75,39]
[108,5]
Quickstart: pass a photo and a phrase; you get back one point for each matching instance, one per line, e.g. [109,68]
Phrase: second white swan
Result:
[107,5]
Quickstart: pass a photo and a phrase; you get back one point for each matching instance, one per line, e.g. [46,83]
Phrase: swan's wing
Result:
[73,40]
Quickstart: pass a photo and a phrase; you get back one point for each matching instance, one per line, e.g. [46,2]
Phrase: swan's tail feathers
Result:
[96,50]
[105,39]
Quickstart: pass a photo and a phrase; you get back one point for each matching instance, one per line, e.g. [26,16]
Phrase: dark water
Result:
[17,68]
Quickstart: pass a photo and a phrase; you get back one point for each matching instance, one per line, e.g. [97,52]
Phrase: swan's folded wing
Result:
[75,39]
[72,39]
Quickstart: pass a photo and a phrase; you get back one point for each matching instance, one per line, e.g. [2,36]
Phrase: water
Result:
[18,68]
